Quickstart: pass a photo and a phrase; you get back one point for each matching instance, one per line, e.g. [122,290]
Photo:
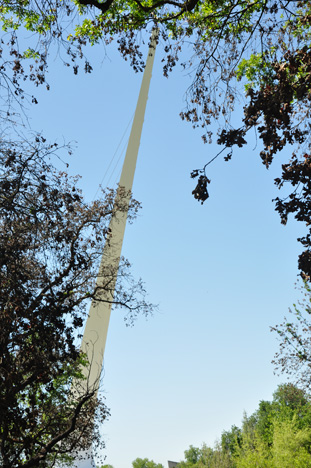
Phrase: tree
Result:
[192,455]
[264,44]
[206,457]
[276,435]
[291,397]
[145,463]
[51,242]
[288,446]
[291,445]
[293,357]
[253,452]
[230,440]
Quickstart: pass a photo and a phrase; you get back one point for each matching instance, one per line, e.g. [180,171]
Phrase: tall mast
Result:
[96,328]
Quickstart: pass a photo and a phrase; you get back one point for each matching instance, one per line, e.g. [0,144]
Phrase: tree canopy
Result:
[277,435]
[51,242]
[145,463]
[263,44]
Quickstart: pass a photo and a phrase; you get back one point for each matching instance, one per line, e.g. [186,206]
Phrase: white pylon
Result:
[96,328]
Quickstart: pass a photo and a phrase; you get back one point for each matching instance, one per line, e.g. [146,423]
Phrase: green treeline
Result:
[277,435]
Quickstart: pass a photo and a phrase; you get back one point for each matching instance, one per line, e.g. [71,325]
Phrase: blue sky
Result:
[222,273]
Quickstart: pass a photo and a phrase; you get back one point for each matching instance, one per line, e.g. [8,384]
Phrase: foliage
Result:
[286,443]
[291,445]
[193,455]
[253,453]
[264,44]
[294,333]
[206,456]
[232,439]
[51,242]
[145,463]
